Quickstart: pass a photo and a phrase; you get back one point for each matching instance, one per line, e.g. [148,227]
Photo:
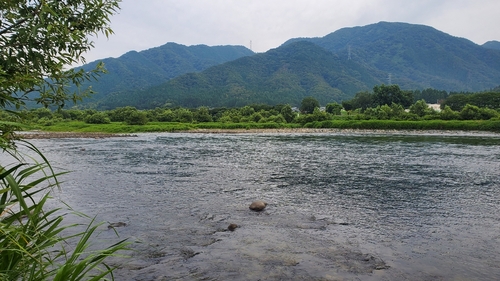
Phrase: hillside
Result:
[495,45]
[417,56]
[141,70]
[283,75]
[331,68]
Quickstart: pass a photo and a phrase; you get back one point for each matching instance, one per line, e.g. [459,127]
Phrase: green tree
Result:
[287,113]
[247,111]
[361,100]
[184,115]
[119,114]
[333,108]
[308,105]
[97,118]
[448,114]
[420,108]
[202,115]
[38,39]
[137,118]
[388,94]
[472,112]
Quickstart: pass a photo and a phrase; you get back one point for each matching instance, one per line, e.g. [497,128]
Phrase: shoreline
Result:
[100,135]
[64,135]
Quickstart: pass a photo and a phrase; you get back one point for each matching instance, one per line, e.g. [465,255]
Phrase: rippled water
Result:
[342,205]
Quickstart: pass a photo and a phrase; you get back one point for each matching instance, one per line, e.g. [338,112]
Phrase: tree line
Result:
[386,102]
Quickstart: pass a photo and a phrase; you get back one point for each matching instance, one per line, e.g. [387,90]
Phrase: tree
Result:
[308,105]
[98,118]
[333,108]
[287,113]
[420,108]
[119,114]
[202,115]
[448,114]
[388,94]
[38,39]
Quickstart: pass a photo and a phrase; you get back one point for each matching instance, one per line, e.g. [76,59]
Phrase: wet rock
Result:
[258,205]
[188,253]
[116,224]
[232,227]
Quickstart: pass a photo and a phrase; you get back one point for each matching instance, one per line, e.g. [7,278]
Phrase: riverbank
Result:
[97,135]
[62,135]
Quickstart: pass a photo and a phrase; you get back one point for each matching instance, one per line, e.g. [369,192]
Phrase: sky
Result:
[265,24]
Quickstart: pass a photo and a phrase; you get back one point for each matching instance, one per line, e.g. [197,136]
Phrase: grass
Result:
[32,243]
[122,128]
[465,125]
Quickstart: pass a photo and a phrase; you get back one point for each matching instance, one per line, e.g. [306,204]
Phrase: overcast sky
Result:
[144,24]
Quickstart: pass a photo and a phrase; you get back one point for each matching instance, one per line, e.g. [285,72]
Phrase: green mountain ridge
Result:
[283,75]
[330,68]
[417,56]
[140,70]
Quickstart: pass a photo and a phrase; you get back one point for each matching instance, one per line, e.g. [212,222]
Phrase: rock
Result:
[116,224]
[258,205]
[232,227]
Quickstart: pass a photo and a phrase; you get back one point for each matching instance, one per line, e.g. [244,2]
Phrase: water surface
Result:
[342,205]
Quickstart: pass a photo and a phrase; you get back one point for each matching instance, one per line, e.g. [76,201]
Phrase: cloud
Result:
[145,24]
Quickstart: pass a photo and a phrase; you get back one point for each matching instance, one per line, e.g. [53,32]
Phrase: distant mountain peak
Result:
[495,45]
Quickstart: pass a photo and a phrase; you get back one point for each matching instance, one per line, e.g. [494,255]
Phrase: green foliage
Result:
[421,108]
[287,113]
[308,105]
[120,114]
[37,40]
[472,112]
[184,115]
[388,94]
[136,118]
[202,115]
[430,95]
[31,241]
[98,118]
[481,125]
[487,99]
[333,108]
[448,114]
[52,34]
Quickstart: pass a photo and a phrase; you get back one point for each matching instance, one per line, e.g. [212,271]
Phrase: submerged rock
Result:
[258,205]
[116,224]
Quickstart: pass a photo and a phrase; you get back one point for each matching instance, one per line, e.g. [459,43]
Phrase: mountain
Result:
[283,75]
[495,45]
[330,68]
[141,70]
[416,56]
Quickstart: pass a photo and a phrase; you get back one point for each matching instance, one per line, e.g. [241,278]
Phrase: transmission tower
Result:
[349,52]
[389,79]
[251,45]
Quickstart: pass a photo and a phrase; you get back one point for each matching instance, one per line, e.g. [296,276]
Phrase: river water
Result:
[343,205]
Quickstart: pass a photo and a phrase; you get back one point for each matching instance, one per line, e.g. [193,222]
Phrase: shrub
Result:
[136,118]
[97,118]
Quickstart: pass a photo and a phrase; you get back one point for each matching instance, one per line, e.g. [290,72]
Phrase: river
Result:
[342,205]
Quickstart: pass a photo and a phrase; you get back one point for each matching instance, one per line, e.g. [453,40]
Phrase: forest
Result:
[392,107]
